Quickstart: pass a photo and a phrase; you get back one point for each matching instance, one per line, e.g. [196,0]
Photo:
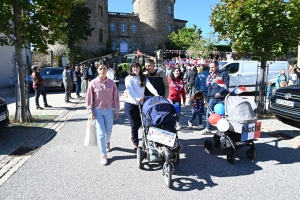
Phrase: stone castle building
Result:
[147,28]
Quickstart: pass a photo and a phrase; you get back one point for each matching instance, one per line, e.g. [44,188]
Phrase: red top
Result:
[176,90]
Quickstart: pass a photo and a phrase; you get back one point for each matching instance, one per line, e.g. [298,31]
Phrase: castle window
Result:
[100,35]
[112,27]
[170,28]
[123,27]
[170,10]
[100,10]
[133,28]
[133,46]
[114,45]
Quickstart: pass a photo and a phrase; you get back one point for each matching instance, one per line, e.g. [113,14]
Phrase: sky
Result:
[194,11]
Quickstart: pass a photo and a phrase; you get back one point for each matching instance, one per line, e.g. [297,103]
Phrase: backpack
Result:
[85,74]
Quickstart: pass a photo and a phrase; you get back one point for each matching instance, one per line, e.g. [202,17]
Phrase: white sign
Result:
[161,136]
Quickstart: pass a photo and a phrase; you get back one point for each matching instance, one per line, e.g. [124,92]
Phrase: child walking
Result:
[197,104]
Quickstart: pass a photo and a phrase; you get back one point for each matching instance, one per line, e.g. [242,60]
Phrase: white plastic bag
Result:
[90,135]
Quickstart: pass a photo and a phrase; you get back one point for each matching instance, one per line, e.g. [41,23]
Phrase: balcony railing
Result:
[121,14]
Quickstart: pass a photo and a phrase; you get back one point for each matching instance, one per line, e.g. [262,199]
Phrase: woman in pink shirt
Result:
[103,105]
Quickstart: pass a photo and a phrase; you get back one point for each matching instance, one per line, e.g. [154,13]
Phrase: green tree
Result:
[36,22]
[185,37]
[77,27]
[266,28]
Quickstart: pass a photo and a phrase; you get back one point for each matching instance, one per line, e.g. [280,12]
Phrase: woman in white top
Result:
[135,84]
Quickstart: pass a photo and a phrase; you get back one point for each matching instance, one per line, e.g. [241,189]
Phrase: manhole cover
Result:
[24,151]
[281,136]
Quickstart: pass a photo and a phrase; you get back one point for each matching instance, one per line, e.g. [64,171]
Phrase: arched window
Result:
[123,46]
[170,28]
[133,46]
[170,10]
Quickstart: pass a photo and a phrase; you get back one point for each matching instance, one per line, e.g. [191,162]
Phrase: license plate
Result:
[161,136]
[285,102]
[2,117]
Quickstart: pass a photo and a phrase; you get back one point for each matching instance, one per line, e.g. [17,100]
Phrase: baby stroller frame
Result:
[230,140]
[156,152]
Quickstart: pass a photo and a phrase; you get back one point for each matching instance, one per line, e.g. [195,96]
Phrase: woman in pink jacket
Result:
[103,105]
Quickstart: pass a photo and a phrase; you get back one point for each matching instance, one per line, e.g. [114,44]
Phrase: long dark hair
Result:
[102,62]
[142,76]
[172,74]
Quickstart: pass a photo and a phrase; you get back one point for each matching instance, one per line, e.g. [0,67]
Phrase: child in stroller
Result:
[236,129]
[160,141]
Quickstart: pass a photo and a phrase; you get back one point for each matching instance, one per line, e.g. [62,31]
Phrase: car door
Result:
[46,75]
[57,77]
[233,71]
[249,74]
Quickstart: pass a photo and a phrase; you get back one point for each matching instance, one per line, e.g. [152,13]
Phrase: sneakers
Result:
[104,160]
[190,123]
[201,126]
[178,126]
[206,131]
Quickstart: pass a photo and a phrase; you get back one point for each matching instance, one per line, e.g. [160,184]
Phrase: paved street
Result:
[62,168]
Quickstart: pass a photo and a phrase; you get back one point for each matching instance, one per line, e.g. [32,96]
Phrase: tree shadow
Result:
[23,138]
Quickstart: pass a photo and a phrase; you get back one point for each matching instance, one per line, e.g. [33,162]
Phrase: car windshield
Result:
[221,64]
[45,72]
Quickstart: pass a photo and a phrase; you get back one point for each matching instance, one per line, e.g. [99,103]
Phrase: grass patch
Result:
[38,121]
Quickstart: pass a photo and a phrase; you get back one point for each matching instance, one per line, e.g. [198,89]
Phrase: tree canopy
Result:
[265,28]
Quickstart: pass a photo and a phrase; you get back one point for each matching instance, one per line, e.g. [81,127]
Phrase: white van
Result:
[244,72]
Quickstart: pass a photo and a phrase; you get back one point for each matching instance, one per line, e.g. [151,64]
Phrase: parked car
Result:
[222,63]
[52,76]
[244,72]
[4,114]
[285,103]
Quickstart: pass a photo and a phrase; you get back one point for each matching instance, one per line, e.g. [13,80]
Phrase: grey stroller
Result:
[241,130]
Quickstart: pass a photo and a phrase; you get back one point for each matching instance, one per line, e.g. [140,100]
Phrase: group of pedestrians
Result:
[102,99]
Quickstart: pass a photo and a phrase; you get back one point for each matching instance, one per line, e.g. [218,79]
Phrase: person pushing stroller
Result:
[217,82]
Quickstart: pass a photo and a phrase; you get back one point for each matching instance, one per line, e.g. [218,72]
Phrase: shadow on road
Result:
[204,166]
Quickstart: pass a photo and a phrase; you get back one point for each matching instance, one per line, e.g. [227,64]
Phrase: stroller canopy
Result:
[239,110]
[159,112]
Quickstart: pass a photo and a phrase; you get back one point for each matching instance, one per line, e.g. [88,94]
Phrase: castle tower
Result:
[156,22]
[99,21]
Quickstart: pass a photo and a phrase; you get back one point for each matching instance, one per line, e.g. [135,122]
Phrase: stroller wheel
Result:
[208,146]
[251,154]
[176,159]
[139,157]
[231,158]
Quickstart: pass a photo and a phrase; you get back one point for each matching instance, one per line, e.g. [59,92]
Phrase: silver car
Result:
[52,76]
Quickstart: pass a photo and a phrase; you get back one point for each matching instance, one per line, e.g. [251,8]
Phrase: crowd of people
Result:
[99,84]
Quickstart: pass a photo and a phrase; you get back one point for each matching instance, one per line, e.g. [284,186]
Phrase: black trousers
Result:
[133,113]
[40,90]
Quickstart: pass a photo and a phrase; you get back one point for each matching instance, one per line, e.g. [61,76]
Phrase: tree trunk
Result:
[262,87]
[18,49]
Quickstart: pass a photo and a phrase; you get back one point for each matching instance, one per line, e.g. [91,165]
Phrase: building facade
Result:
[147,28]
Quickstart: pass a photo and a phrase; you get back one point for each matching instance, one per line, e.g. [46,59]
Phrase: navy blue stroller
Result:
[160,141]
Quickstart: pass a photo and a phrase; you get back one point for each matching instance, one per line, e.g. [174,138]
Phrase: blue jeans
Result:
[178,103]
[104,122]
[212,102]
[40,90]
[78,87]
[194,115]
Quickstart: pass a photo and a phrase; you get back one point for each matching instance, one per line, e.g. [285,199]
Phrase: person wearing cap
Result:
[38,84]
[67,82]
[216,92]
